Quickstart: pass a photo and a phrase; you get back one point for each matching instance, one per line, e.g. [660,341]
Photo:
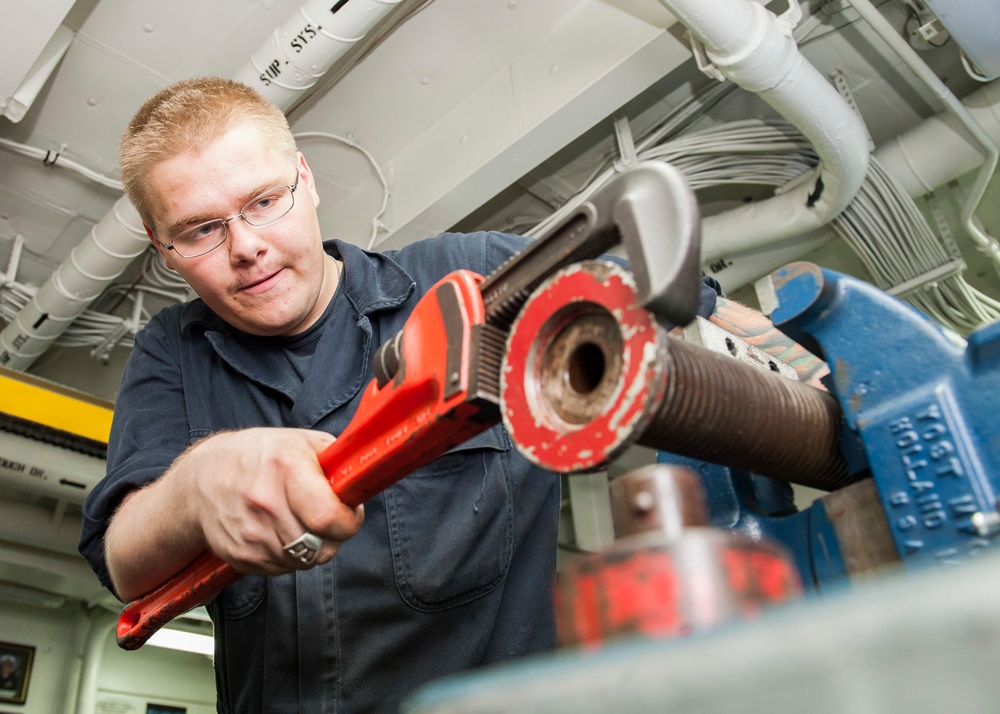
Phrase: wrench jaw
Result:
[658,220]
[583,369]
[651,210]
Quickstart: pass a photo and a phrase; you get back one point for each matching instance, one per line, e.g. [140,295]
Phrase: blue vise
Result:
[920,401]
[918,406]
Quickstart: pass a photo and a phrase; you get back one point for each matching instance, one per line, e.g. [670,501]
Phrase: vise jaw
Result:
[919,403]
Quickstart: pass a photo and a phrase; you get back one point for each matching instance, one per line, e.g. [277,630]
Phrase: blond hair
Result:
[189,115]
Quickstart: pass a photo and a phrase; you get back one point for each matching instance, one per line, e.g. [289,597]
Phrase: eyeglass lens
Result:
[259,211]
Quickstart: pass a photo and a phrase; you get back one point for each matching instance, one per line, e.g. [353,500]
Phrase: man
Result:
[226,401]
[10,680]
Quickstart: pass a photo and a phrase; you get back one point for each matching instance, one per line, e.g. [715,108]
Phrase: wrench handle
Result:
[196,584]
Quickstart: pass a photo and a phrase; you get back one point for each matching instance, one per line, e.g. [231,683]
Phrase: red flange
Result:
[583,369]
[651,589]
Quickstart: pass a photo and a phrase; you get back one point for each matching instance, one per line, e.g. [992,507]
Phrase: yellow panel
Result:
[52,405]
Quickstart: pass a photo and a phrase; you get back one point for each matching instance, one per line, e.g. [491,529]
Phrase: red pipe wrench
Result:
[437,381]
[433,401]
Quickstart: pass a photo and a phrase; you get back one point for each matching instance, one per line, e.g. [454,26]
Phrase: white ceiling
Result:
[480,113]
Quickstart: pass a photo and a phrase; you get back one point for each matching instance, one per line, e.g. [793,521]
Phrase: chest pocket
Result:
[451,525]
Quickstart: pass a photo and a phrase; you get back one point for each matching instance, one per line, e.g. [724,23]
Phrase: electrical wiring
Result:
[883,225]
[386,193]
[57,159]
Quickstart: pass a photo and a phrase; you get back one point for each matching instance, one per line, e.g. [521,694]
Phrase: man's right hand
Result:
[242,494]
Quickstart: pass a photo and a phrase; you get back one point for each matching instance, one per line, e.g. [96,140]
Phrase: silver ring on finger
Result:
[305,548]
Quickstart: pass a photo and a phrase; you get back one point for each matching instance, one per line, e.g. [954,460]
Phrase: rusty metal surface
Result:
[582,374]
[725,412]
[589,372]
[863,533]
[667,575]
[661,500]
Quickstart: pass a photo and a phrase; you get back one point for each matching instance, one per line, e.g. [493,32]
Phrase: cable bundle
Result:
[882,224]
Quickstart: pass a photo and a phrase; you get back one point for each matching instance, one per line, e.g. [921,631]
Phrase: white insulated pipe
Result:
[303,49]
[288,64]
[110,247]
[756,51]
[991,155]
[938,151]
[101,627]
[81,626]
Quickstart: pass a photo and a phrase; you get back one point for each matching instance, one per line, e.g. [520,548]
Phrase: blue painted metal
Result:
[764,508]
[920,402]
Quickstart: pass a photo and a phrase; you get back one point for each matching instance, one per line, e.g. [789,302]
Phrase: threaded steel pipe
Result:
[587,373]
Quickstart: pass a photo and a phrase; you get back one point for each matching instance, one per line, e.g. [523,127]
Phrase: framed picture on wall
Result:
[15,669]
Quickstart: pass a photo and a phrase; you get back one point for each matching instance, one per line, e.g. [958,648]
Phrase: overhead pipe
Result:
[304,49]
[81,626]
[991,155]
[755,50]
[937,151]
[923,159]
[110,247]
[282,70]
[101,626]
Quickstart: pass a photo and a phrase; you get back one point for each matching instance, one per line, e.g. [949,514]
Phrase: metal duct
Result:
[47,411]
[52,439]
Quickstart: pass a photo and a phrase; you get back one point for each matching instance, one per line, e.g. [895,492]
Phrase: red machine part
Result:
[667,574]
[588,372]
[583,369]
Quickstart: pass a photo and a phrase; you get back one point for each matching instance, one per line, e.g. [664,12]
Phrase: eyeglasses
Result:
[264,209]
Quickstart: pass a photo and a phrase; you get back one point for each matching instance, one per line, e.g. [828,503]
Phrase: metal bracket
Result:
[627,157]
[701,59]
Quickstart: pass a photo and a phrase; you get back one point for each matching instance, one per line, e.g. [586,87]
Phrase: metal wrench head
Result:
[651,210]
